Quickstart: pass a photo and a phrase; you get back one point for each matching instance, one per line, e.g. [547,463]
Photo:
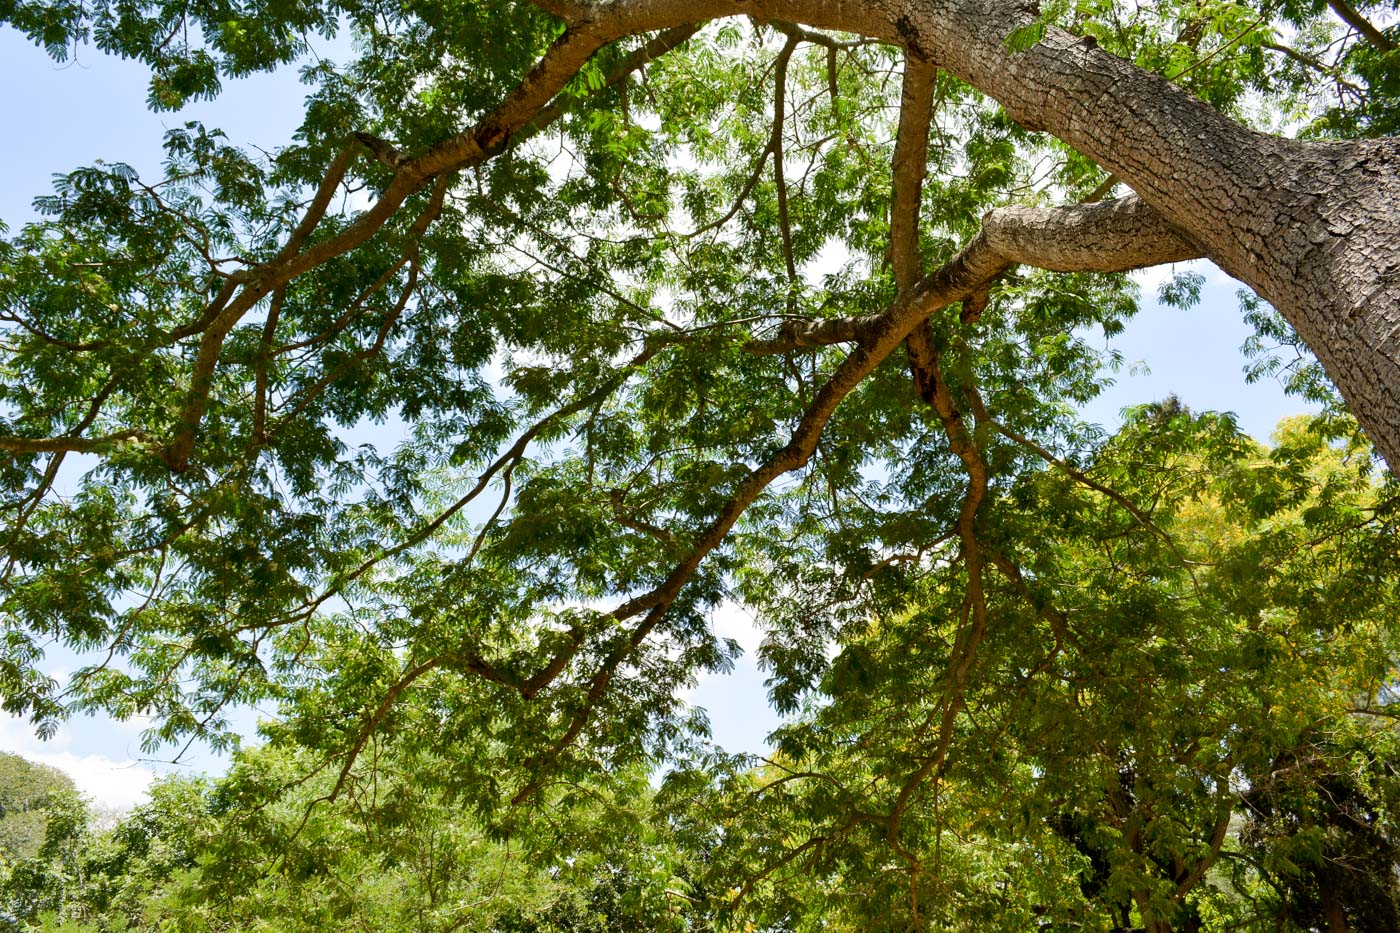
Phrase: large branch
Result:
[1361,24]
[910,164]
[1109,236]
[933,387]
[775,146]
[1311,226]
[954,281]
[652,50]
[526,109]
[65,444]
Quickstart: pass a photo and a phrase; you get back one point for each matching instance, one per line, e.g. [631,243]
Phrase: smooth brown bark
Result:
[909,166]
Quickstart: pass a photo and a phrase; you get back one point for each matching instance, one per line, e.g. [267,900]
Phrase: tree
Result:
[1314,235]
[1190,754]
[1316,828]
[261,848]
[27,791]
[43,826]
[1115,727]
[581,252]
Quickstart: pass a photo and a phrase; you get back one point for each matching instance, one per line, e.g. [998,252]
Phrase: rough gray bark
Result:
[1110,236]
[1313,227]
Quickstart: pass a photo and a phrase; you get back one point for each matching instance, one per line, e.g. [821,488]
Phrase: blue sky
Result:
[93,107]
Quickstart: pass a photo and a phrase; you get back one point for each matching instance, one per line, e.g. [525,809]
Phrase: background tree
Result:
[27,791]
[1319,836]
[262,848]
[1097,775]
[43,829]
[1116,727]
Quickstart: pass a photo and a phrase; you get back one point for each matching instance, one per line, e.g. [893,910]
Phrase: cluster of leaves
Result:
[261,848]
[42,829]
[27,792]
[1179,711]
[1324,77]
[1184,647]
[284,553]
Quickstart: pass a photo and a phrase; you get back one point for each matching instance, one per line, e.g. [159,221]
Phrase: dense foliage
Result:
[42,821]
[1036,676]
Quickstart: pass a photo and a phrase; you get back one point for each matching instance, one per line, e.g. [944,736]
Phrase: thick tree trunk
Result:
[1336,913]
[1313,227]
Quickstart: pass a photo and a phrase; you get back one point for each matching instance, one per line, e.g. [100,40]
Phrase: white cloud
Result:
[732,620]
[115,785]
[111,784]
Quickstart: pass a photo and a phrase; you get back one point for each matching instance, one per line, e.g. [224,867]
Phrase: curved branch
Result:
[1084,479]
[775,145]
[924,361]
[322,199]
[373,723]
[954,281]
[513,454]
[830,43]
[658,46]
[1107,236]
[1361,24]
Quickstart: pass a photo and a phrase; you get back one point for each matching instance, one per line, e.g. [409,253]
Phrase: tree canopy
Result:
[784,302]
[27,791]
